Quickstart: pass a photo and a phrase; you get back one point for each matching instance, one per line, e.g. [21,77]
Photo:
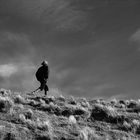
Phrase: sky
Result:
[92,46]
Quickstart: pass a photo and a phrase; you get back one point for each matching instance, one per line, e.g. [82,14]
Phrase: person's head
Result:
[44,63]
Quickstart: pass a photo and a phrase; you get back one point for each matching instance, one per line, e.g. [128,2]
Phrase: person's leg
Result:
[46,89]
[42,85]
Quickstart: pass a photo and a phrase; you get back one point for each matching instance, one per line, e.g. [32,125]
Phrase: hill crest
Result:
[35,117]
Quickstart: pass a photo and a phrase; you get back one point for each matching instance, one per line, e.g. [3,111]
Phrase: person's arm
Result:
[46,72]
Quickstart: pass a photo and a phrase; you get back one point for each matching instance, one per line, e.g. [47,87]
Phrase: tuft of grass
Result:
[33,103]
[136,126]
[114,101]
[5,92]
[126,126]
[43,137]
[132,104]
[2,130]
[74,110]
[29,114]
[29,123]
[107,114]
[52,98]
[72,101]
[43,103]
[88,134]
[19,99]
[136,123]
[10,136]
[5,104]
[22,118]
[84,103]
[61,98]
[44,125]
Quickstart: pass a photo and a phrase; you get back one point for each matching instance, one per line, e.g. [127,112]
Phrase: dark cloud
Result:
[87,44]
[55,15]
[15,47]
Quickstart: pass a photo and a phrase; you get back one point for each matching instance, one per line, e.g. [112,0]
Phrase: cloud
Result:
[18,58]
[7,70]
[135,39]
[136,36]
[60,15]
[18,76]
[15,47]
[63,16]
[59,23]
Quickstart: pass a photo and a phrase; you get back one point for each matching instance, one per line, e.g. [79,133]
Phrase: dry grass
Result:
[88,134]
[33,117]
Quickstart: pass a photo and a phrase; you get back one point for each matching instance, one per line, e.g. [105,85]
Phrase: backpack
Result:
[42,73]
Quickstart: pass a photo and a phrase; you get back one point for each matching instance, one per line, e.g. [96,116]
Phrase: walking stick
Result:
[34,91]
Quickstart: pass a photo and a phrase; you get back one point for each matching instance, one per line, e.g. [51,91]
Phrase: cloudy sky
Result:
[92,46]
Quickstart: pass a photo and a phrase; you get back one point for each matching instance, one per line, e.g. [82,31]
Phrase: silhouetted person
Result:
[42,76]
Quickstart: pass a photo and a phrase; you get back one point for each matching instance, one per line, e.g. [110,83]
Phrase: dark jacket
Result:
[42,73]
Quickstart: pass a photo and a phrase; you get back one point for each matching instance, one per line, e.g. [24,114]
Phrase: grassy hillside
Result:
[35,117]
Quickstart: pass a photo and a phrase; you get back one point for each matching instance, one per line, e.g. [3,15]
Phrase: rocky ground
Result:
[35,117]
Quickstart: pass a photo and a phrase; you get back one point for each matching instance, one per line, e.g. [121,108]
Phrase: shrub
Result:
[30,124]
[19,106]
[72,101]
[11,135]
[33,103]
[22,118]
[43,103]
[107,137]
[5,104]
[132,104]
[44,125]
[123,106]
[29,114]
[48,99]
[55,108]
[126,126]
[122,102]
[88,134]
[136,126]
[61,98]
[102,101]
[114,101]
[74,110]
[98,101]
[127,102]
[43,137]
[66,112]
[98,113]
[4,91]
[85,103]
[51,98]
[2,130]
[105,113]
[19,99]
[136,123]
[79,111]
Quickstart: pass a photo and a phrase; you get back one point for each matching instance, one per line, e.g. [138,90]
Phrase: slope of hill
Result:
[35,117]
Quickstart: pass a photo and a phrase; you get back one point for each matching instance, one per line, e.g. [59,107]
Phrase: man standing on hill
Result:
[42,75]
